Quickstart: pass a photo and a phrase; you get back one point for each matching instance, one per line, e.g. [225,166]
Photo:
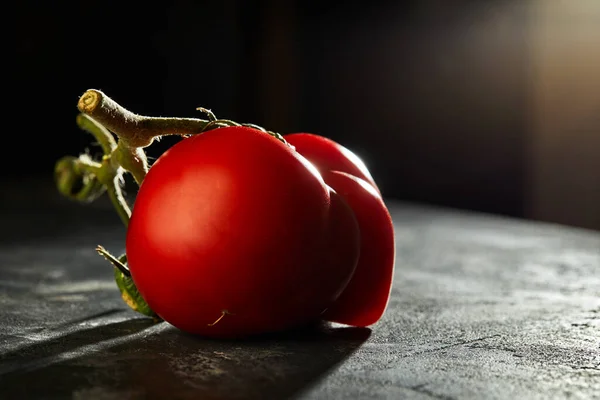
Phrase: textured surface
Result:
[482,307]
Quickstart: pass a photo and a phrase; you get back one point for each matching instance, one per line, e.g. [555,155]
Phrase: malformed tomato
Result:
[328,155]
[365,299]
[234,233]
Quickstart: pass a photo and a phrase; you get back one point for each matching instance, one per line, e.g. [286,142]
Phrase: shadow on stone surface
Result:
[136,359]
[48,346]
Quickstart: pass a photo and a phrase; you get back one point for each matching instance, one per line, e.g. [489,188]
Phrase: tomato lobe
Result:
[328,155]
[365,299]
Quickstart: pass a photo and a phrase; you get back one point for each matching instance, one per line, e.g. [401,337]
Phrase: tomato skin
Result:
[365,299]
[328,155]
[343,244]
[233,223]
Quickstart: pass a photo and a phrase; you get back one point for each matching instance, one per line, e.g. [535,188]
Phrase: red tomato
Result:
[328,155]
[230,233]
[365,299]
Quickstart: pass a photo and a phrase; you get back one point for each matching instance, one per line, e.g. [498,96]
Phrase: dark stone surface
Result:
[482,307]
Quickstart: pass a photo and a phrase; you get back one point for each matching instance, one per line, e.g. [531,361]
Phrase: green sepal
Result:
[129,292]
[76,179]
[132,296]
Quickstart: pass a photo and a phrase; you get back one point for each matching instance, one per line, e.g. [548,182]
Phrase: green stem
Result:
[107,174]
[102,135]
[119,203]
[132,160]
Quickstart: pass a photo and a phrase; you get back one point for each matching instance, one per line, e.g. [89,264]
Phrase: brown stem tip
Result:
[89,101]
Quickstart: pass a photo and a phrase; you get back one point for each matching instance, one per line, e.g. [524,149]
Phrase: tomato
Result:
[234,233]
[328,155]
[365,299]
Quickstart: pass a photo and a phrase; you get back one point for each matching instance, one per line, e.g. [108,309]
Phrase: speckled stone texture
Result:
[482,307]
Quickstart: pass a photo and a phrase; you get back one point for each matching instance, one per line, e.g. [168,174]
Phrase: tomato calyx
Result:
[214,123]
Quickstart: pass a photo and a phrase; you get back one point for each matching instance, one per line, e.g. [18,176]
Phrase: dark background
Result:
[490,106]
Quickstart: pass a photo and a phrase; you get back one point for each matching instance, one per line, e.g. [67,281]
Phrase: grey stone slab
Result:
[482,307]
